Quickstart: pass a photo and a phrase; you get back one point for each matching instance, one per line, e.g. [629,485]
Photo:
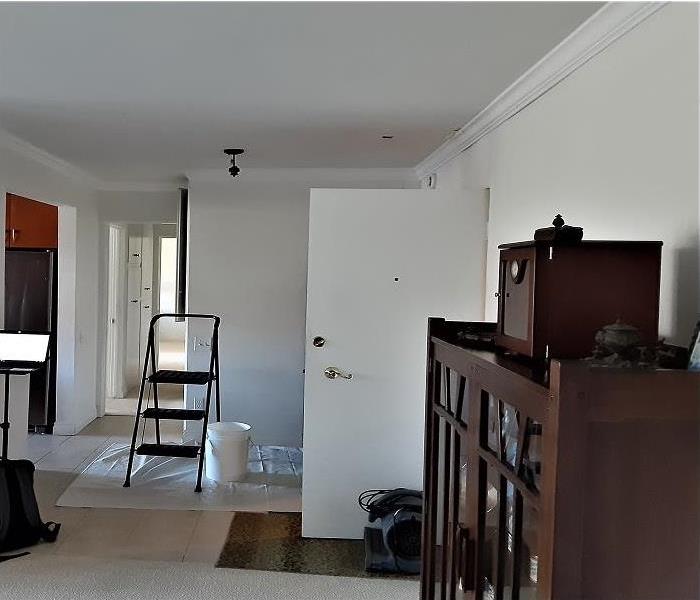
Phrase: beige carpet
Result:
[54,578]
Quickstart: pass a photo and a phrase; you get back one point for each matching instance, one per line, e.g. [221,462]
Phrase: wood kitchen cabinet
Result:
[30,224]
[574,482]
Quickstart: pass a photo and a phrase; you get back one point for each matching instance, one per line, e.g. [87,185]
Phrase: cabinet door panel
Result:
[449,574]
[30,224]
[509,464]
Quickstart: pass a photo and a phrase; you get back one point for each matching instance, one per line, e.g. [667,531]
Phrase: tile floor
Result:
[169,535]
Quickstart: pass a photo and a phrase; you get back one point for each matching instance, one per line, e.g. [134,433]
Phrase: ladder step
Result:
[176,414]
[181,377]
[168,450]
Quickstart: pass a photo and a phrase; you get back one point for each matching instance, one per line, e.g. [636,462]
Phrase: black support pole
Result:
[181,275]
[6,418]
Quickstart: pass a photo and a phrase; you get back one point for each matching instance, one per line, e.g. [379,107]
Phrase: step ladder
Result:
[156,413]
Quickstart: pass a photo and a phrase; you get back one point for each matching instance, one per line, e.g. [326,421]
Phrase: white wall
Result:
[248,242]
[613,148]
[133,206]
[77,302]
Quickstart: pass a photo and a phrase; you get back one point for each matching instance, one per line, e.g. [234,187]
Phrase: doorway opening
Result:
[141,283]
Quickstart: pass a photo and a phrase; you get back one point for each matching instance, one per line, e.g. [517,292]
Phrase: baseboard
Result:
[64,429]
[71,428]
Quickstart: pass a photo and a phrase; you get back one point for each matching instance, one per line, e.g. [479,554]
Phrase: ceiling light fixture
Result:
[233,152]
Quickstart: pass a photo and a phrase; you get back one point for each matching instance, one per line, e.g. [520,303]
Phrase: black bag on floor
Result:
[20,522]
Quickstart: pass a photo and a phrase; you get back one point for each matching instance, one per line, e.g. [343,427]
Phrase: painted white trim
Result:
[68,333]
[116,300]
[142,186]
[608,24]
[47,159]
[28,150]
[72,428]
[313,176]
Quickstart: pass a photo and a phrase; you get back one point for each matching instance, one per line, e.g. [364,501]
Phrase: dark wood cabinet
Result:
[30,224]
[580,483]
[541,284]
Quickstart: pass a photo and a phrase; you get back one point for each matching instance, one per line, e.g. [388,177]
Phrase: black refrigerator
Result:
[31,290]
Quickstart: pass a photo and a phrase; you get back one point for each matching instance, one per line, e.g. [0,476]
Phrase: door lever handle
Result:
[333,372]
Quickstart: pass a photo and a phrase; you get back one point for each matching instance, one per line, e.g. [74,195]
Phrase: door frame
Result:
[115,381]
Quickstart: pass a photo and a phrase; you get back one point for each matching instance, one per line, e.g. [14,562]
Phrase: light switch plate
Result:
[201,344]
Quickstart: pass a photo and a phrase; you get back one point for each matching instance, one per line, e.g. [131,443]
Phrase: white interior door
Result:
[380,263]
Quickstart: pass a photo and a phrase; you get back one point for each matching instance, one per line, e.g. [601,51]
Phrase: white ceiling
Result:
[153,90]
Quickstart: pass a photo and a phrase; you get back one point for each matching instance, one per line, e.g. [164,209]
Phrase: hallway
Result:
[171,356]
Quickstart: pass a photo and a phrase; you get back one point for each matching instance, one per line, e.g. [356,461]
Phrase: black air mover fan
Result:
[393,536]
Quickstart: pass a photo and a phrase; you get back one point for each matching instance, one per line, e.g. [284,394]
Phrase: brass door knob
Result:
[334,372]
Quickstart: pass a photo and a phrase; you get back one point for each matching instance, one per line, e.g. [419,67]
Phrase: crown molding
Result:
[165,185]
[315,177]
[32,152]
[608,24]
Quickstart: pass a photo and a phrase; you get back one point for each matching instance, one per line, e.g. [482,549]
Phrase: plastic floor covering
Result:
[272,484]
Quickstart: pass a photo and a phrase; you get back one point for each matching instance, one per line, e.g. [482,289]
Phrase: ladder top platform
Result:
[182,377]
[178,414]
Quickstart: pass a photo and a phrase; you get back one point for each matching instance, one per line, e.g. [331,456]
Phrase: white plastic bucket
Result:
[226,451]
